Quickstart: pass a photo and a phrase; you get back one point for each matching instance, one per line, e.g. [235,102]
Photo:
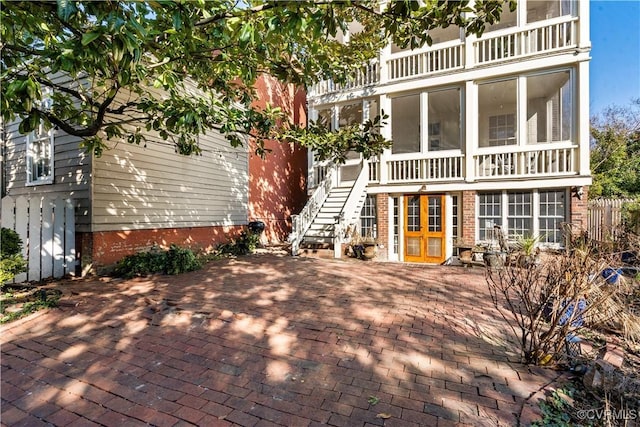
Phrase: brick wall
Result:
[578,209]
[468,219]
[100,251]
[382,204]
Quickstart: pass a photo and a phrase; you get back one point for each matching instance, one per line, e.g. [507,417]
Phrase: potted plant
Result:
[361,247]
[527,250]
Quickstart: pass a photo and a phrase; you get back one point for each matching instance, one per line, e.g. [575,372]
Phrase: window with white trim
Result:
[368,218]
[526,214]
[552,215]
[520,216]
[40,156]
[489,214]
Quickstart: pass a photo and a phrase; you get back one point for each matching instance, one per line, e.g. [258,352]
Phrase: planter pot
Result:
[493,259]
[364,251]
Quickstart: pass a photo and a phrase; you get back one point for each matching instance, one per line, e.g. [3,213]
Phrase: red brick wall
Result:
[277,183]
[578,209]
[384,222]
[102,250]
[468,210]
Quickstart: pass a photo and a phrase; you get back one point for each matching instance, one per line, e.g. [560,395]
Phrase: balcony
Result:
[552,160]
[494,47]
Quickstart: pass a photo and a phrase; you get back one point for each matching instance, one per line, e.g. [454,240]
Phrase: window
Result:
[497,109]
[520,215]
[368,218]
[539,10]
[396,224]
[405,124]
[454,207]
[528,214]
[549,107]
[490,214]
[40,156]
[552,215]
[502,129]
[445,124]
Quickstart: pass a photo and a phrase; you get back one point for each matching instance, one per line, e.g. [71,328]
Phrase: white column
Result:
[584,40]
[424,122]
[583,133]
[311,178]
[471,141]
[521,110]
[384,67]
[385,131]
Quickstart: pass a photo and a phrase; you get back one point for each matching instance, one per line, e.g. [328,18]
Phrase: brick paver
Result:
[268,340]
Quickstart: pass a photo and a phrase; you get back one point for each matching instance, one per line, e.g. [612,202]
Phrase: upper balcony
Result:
[543,29]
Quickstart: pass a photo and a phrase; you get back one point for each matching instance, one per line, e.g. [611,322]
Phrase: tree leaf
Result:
[383,415]
[89,37]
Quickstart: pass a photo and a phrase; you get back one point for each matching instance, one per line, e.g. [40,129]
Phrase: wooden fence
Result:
[605,218]
[47,229]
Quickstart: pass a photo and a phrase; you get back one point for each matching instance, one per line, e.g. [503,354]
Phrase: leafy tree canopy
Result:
[113,70]
[615,152]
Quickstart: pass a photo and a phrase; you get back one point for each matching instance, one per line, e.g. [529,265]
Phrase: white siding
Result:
[138,187]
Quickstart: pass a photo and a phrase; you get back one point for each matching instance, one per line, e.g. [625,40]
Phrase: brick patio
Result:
[269,340]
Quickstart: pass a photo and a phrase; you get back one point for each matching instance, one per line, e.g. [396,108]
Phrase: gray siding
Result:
[72,172]
[137,187]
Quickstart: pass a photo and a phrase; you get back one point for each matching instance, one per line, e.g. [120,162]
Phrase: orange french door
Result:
[424,229]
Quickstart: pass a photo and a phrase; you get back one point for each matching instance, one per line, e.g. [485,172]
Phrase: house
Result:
[490,130]
[136,196]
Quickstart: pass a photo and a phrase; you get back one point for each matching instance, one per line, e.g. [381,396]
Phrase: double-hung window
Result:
[525,213]
[40,156]
[552,215]
[368,216]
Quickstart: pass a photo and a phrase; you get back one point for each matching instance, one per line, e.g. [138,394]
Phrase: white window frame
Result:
[535,214]
[46,138]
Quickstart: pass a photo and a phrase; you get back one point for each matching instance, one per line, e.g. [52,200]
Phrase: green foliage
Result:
[116,55]
[43,300]
[174,261]
[11,266]
[631,215]
[11,261]
[11,243]
[555,409]
[615,152]
[245,244]
[180,260]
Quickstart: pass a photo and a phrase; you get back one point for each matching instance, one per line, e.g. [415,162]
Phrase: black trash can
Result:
[256,227]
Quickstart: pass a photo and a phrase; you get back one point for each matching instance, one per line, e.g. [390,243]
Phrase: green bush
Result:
[11,261]
[180,260]
[174,261]
[245,244]
[11,243]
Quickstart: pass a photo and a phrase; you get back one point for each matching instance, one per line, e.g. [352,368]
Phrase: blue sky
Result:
[615,53]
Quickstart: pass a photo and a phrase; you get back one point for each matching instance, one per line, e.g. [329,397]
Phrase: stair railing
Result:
[300,223]
[350,209]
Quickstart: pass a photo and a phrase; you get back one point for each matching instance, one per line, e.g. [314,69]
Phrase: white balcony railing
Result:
[366,76]
[493,47]
[527,163]
[448,168]
[536,38]
[446,57]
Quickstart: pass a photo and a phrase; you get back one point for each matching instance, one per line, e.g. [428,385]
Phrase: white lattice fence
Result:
[47,229]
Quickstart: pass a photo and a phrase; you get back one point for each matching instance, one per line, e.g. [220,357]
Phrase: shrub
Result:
[545,304]
[11,261]
[11,243]
[174,261]
[245,244]
[180,260]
